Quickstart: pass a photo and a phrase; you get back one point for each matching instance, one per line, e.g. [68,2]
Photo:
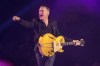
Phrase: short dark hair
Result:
[46,7]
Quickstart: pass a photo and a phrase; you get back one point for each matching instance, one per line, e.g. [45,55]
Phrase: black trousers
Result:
[44,61]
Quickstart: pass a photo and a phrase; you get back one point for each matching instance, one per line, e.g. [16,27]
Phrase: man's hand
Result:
[77,42]
[16,18]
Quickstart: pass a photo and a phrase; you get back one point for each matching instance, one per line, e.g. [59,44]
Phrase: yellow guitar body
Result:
[50,44]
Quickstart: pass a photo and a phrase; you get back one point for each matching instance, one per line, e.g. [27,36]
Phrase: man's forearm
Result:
[26,24]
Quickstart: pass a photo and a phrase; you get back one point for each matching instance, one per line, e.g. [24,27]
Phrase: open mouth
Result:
[41,15]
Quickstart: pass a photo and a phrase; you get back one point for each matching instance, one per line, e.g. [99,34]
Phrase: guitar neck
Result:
[68,43]
[74,43]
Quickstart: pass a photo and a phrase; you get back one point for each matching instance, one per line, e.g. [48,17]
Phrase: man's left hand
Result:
[77,42]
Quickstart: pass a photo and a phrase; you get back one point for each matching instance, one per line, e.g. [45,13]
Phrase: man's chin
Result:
[41,18]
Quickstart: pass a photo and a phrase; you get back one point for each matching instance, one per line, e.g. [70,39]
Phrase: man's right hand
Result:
[16,18]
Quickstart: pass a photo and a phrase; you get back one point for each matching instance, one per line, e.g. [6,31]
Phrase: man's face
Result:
[43,13]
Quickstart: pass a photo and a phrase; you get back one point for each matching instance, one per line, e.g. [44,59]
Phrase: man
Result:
[41,27]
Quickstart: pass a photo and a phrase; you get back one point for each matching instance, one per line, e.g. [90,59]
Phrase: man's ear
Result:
[48,13]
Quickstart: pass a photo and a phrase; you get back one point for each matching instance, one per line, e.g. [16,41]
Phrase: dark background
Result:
[76,19]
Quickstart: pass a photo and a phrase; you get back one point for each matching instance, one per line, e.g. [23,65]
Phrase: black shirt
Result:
[43,29]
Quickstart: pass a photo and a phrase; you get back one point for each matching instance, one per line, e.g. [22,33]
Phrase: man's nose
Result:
[40,12]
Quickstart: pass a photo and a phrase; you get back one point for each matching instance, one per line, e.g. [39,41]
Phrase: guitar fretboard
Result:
[68,43]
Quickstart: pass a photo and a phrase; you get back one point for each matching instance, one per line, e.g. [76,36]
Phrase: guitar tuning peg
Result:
[81,39]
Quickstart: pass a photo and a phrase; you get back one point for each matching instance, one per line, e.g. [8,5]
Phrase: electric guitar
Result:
[49,44]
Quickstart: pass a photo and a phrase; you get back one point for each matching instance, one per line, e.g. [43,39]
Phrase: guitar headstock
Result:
[82,42]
